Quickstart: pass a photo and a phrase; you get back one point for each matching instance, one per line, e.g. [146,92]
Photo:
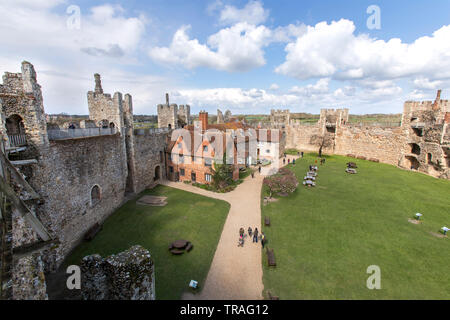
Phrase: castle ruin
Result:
[173,116]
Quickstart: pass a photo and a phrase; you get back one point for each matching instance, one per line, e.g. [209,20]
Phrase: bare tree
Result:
[322,141]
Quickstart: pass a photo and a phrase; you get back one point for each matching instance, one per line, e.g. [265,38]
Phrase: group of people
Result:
[252,234]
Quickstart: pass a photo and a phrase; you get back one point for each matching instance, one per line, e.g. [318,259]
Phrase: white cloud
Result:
[237,48]
[253,13]
[274,87]
[333,50]
[425,83]
[320,87]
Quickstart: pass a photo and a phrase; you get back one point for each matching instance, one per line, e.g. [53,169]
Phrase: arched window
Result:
[429,158]
[95,195]
[14,125]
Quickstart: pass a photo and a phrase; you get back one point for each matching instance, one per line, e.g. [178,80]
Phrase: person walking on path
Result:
[253,174]
[284,161]
[302,154]
[241,232]
[259,169]
[255,235]
[293,162]
[263,239]
[289,161]
[249,231]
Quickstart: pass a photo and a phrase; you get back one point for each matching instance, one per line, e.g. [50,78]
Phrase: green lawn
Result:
[187,216]
[324,238]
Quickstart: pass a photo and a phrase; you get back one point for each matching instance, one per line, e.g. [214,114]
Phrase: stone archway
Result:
[14,125]
[157,175]
[410,162]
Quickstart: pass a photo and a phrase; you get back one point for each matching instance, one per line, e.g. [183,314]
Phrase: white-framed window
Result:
[208,177]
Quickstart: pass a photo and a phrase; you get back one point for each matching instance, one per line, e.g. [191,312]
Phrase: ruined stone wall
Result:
[184,114]
[149,154]
[299,137]
[65,177]
[384,144]
[128,275]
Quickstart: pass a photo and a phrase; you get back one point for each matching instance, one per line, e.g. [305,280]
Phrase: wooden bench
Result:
[267,221]
[90,234]
[176,252]
[189,247]
[271,258]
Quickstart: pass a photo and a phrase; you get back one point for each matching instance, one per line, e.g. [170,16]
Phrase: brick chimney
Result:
[437,102]
[203,118]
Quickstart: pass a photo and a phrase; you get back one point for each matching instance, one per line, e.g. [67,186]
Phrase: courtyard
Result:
[325,238]
[188,216]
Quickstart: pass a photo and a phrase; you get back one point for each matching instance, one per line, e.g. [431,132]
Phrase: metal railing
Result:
[17,140]
[141,132]
[61,134]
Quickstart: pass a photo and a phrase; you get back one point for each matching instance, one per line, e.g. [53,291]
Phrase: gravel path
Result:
[236,272]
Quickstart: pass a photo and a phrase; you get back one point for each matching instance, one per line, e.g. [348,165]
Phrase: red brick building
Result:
[191,156]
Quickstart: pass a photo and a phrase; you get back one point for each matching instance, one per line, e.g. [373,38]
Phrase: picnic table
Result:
[349,170]
[179,244]
[309,178]
[311,173]
[309,183]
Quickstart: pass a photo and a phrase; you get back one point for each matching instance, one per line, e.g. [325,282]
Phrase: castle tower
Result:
[22,104]
[129,143]
[167,115]
[104,110]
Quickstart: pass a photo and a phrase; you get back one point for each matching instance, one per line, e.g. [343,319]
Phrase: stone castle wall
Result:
[65,177]
[383,144]
[149,154]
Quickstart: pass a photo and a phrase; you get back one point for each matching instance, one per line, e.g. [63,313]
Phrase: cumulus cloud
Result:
[236,48]
[320,87]
[314,54]
[253,13]
[274,87]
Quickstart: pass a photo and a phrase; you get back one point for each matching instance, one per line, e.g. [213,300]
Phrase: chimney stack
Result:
[203,118]
[98,84]
[437,102]
[167,99]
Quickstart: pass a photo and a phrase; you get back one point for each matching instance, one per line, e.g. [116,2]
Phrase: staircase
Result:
[16,192]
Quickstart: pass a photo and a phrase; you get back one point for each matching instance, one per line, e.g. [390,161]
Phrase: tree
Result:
[281,183]
[222,174]
[322,141]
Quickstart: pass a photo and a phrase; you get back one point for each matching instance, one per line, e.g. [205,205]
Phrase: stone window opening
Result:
[415,148]
[161,156]
[418,132]
[429,158]
[182,172]
[411,163]
[14,125]
[331,129]
[95,195]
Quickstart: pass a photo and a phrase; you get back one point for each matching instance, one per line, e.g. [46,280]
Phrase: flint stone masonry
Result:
[29,279]
[128,275]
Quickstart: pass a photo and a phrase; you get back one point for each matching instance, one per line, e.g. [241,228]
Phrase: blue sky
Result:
[247,56]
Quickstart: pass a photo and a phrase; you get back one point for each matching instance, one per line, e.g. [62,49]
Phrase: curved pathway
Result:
[236,272]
